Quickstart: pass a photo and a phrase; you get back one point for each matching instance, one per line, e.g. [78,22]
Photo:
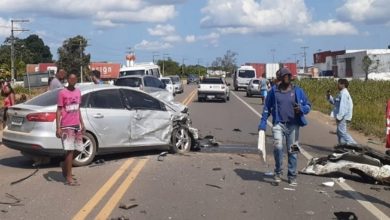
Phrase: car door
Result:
[151,123]
[109,118]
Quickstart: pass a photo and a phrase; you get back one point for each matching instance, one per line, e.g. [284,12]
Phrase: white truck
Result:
[213,88]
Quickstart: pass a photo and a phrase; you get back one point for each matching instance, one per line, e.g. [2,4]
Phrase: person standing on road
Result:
[263,89]
[70,126]
[56,82]
[287,103]
[96,77]
[342,112]
[9,99]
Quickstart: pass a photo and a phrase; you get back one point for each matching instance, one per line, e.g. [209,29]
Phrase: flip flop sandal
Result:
[72,183]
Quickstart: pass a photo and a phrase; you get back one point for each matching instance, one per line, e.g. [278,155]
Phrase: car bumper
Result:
[43,145]
[211,95]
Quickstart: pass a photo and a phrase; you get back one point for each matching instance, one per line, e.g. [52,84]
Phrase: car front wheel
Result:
[181,140]
[89,152]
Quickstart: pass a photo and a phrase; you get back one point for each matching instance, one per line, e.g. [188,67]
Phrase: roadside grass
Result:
[369,98]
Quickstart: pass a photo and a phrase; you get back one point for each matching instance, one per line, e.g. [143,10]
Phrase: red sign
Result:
[388,125]
[107,70]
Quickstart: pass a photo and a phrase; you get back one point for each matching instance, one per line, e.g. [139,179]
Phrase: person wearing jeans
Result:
[342,112]
[287,104]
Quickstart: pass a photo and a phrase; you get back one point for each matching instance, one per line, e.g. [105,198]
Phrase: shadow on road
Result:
[367,198]
[17,162]
[251,175]
[54,176]
[325,149]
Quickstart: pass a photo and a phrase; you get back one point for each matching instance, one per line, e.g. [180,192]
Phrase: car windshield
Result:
[46,99]
[166,81]
[132,72]
[132,82]
[246,73]
[175,79]
[212,81]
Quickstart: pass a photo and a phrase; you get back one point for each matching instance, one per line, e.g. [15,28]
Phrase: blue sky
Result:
[201,30]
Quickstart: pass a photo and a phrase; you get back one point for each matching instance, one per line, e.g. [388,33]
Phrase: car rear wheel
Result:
[87,156]
[181,140]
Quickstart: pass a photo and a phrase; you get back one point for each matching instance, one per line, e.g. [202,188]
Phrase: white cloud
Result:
[152,45]
[102,12]
[190,38]
[162,30]
[246,16]
[330,28]
[367,11]
[172,38]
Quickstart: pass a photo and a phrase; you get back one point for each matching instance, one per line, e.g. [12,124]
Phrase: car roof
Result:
[137,76]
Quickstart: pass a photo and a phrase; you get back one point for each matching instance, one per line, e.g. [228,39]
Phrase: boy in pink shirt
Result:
[70,127]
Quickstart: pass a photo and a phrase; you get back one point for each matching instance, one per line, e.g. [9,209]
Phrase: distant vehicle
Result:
[149,84]
[253,87]
[192,78]
[242,76]
[213,88]
[117,119]
[179,87]
[142,69]
[168,85]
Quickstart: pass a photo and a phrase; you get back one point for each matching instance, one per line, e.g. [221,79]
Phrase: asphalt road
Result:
[226,182]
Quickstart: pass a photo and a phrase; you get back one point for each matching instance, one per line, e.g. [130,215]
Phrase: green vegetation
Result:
[369,100]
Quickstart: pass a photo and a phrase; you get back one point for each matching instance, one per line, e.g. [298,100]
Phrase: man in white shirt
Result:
[57,81]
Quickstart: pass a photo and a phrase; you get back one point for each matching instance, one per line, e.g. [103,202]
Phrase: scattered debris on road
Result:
[237,130]
[243,193]
[289,189]
[127,206]
[98,163]
[212,185]
[207,141]
[345,216]
[269,174]
[121,218]
[217,169]
[15,202]
[341,180]
[309,212]
[161,156]
[371,165]
[329,184]
[375,188]
[23,179]
[4,211]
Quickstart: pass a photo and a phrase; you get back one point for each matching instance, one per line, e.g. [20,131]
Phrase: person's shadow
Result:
[54,176]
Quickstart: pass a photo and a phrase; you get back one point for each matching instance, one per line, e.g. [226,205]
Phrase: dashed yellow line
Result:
[190,97]
[118,194]
[90,205]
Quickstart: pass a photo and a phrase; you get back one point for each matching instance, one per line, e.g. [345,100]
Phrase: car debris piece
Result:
[269,174]
[237,130]
[121,218]
[329,184]
[208,141]
[362,160]
[98,163]
[375,188]
[309,212]
[217,169]
[345,216]
[16,201]
[162,155]
[128,206]
[341,180]
[212,185]
[289,189]
[387,188]
[24,178]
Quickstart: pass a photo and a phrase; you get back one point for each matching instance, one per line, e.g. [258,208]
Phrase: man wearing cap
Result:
[287,103]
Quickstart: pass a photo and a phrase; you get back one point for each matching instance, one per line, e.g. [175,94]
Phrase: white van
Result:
[141,69]
[242,76]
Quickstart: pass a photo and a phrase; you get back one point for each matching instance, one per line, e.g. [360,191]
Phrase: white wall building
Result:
[350,64]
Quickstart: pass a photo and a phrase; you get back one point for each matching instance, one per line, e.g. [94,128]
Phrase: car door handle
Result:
[98,116]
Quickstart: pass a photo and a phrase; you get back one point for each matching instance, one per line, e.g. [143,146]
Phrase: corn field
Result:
[369,99]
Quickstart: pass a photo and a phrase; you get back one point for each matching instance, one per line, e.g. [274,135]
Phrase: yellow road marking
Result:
[90,205]
[189,97]
[118,194]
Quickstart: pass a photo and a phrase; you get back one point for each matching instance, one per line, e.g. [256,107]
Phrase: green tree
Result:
[366,65]
[39,52]
[169,67]
[72,56]
[226,63]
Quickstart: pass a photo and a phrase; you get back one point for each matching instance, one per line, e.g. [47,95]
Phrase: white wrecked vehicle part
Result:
[289,189]
[341,180]
[329,184]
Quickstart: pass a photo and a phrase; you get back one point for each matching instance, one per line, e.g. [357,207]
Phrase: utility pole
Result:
[164,55]
[198,66]
[182,66]
[304,58]
[13,46]
[155,54]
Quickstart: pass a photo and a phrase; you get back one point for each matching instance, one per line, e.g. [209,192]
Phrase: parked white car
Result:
[213,88]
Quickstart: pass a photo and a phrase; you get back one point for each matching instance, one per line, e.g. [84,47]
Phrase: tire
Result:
[181,140]
[87,156]
[228,98]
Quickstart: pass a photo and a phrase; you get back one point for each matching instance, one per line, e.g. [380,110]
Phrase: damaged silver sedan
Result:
[117,119]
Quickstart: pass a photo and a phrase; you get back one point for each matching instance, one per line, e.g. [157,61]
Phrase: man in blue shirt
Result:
[287,104]
[342,112]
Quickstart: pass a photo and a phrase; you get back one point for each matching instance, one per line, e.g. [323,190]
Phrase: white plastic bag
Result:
[261,144]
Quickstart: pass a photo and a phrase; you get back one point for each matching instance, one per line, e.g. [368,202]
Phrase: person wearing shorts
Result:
[70,126]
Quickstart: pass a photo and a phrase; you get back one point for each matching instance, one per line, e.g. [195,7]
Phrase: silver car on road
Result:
[117,119]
